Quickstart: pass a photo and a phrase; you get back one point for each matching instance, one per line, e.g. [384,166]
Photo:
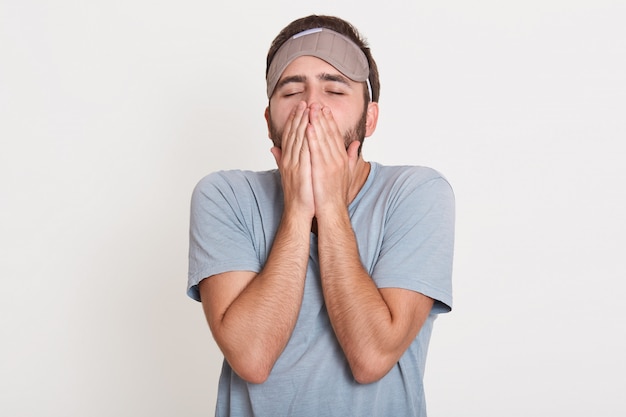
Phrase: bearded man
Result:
[321,280]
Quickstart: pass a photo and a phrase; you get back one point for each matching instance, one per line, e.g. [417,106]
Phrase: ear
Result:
[267,120]
[371,119]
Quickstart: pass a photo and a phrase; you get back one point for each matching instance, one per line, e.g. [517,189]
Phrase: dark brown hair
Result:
[338,25]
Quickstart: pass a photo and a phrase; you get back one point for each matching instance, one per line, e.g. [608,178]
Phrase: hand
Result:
[294,163]
[332,165]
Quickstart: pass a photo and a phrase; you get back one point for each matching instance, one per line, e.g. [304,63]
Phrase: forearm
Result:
[254,329]
[372,338]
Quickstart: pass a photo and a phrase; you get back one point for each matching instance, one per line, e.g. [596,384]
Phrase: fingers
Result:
[330,165]
[323,130]
[294,163]
[295,128]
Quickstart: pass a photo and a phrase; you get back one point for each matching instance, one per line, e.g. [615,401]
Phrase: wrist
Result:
[298,215]
[332,215]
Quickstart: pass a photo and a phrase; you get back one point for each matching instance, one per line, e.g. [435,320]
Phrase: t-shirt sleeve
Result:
[219,237]
[418,242]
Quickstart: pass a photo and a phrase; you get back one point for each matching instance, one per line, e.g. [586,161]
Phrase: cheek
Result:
[278,116]
[347,120]
[348,112]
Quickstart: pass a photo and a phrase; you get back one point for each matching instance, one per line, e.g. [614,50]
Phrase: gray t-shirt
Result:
[403,219]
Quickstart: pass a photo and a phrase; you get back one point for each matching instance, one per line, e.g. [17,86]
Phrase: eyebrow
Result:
[290,79]
[322,77]
[334,78]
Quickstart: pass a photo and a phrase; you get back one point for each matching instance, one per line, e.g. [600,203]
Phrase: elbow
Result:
[250,361]
[368,376]
[370,371]
[252,377]
[254,371]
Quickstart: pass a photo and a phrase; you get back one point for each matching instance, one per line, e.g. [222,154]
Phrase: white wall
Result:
[110,111]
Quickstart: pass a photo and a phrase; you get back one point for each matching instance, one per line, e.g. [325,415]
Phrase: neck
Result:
[361,171]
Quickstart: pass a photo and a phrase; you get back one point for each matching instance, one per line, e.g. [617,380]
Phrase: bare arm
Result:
[253,315]
[374,326]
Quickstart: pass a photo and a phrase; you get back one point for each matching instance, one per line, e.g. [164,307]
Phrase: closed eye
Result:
[290,86]
[335,84]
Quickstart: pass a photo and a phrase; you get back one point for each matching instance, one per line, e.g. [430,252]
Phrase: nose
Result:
[313,96]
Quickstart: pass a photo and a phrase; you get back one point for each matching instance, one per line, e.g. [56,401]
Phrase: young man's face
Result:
[315,81]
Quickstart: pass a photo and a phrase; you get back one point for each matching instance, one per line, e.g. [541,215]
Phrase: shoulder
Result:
[415,173]
[410,179]
[235,183]
[236,179]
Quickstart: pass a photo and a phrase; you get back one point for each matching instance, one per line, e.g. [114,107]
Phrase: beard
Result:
[356,133]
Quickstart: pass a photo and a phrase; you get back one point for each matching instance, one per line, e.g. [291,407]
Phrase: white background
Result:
[111,111]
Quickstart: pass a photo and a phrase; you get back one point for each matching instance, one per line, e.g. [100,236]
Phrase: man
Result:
[321,280]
